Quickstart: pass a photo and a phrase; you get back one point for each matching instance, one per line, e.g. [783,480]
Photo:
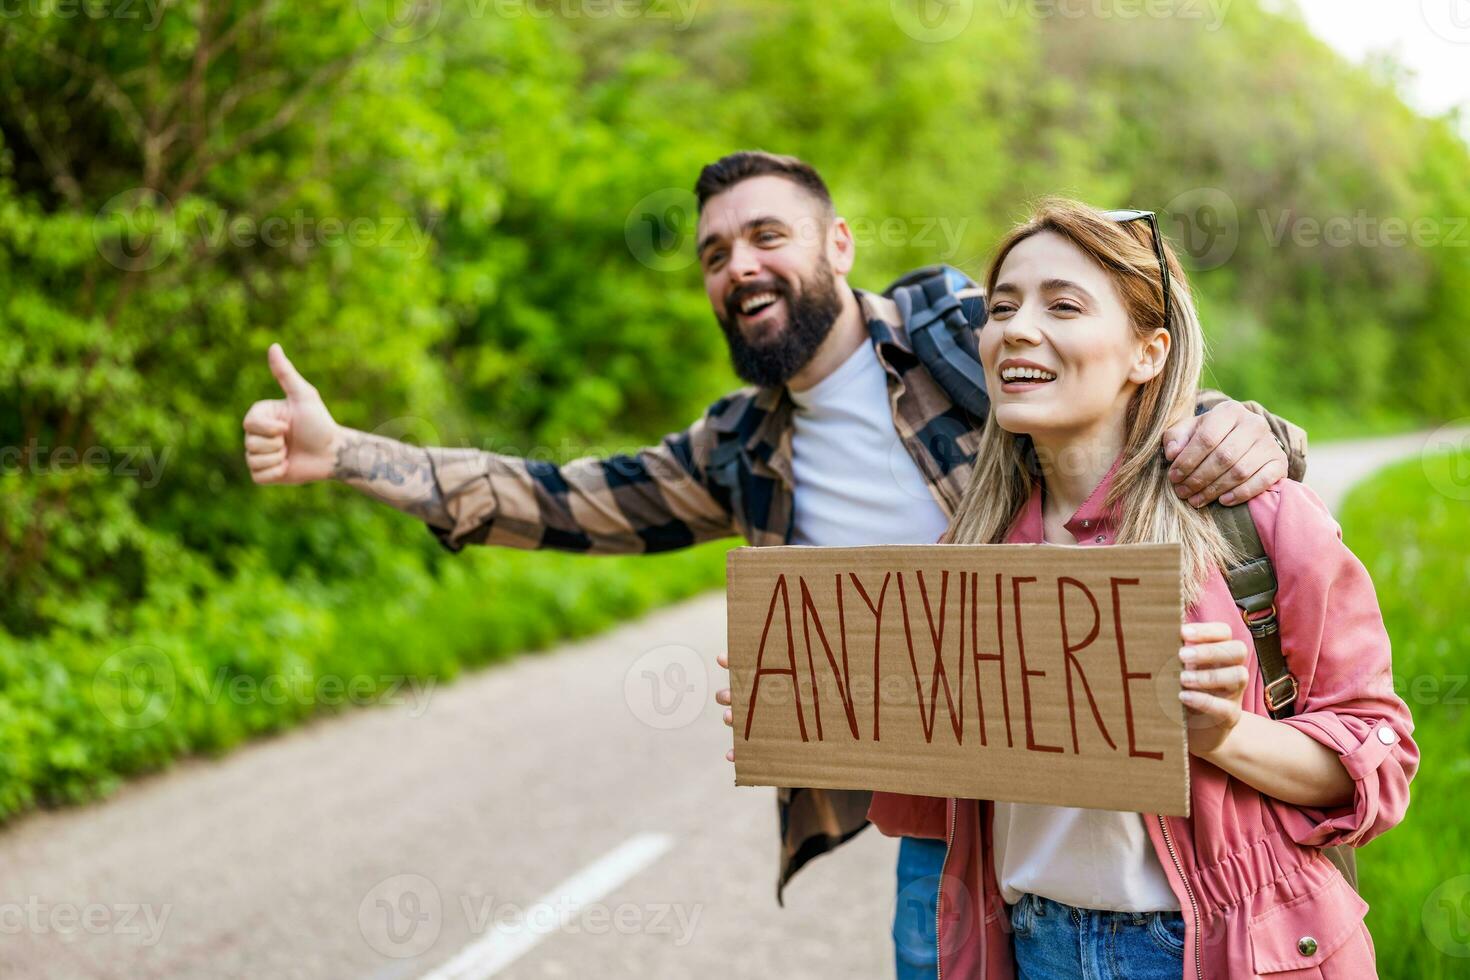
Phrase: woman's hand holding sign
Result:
[1212,683]
[1271,756]
[722,696]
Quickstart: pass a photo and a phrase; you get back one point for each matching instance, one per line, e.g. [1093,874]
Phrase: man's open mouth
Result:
[757,303]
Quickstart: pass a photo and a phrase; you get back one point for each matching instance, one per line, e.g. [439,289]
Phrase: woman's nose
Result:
[1020,328]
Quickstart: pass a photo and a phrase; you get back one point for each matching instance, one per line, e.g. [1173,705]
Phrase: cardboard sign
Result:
[1026,673]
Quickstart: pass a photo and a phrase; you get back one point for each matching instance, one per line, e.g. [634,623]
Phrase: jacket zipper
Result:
[939,898]
[1188,890]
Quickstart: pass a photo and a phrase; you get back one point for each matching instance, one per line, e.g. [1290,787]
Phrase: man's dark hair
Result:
[736,168]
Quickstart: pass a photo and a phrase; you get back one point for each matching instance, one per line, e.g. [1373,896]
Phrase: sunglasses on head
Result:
[1125,215]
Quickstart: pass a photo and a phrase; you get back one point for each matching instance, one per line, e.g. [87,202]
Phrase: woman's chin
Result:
[1024,420]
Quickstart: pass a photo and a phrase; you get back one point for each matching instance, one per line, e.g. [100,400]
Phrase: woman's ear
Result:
[1151,357]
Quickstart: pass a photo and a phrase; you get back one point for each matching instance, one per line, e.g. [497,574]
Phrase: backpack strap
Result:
[1253,586]
[941,324]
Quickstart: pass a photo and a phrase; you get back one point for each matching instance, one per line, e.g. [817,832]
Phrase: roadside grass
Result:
[259,655]
[1410,524]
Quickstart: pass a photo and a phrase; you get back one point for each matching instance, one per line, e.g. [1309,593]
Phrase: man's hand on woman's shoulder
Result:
[1229,453]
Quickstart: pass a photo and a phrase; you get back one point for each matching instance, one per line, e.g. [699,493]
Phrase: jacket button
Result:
[1306,945]
[1386,735]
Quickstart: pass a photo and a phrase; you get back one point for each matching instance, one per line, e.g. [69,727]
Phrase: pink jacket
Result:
[1259,897]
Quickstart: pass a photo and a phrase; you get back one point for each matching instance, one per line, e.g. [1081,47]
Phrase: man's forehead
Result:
[756,200]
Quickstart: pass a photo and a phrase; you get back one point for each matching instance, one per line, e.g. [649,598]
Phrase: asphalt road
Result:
[569,814]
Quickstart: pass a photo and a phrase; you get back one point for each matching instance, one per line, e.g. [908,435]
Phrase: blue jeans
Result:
[915,946]
[1053,940]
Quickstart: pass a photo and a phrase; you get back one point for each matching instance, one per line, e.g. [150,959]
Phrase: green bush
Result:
[255,655]
[175,196]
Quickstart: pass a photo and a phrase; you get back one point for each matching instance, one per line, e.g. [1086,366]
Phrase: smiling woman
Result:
[1084,344]
[1087,365]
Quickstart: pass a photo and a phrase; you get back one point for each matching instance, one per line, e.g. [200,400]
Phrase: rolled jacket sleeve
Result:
[1380,762]
[1338,649]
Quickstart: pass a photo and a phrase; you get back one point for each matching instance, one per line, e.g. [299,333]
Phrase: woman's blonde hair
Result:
[1006,470]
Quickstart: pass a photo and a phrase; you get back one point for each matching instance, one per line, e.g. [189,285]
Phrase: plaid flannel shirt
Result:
[665,497]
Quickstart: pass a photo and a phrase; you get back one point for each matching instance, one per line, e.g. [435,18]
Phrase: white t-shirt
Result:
[1093,859]
[856,484]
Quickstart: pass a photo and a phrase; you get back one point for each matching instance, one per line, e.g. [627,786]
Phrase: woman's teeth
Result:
[1027,374]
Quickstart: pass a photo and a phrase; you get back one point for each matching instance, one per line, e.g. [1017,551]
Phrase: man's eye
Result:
[767,238]
[713,260]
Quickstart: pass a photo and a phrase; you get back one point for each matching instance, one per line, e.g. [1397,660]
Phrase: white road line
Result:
[504,944]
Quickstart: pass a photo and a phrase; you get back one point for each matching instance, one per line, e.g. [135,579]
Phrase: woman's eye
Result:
[1001,309]
[1066,306]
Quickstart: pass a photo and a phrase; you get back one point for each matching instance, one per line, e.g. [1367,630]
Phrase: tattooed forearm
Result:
[394,473]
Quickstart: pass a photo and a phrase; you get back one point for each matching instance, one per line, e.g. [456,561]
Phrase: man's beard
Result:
[811,314]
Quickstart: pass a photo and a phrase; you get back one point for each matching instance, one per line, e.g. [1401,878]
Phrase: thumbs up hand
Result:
[292,439]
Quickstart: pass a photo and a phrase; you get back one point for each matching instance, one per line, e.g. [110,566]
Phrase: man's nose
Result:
[744,262]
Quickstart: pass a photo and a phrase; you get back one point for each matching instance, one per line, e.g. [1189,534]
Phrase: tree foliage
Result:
[468,223]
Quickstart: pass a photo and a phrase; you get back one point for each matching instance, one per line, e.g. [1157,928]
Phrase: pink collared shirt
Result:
[1258,896]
